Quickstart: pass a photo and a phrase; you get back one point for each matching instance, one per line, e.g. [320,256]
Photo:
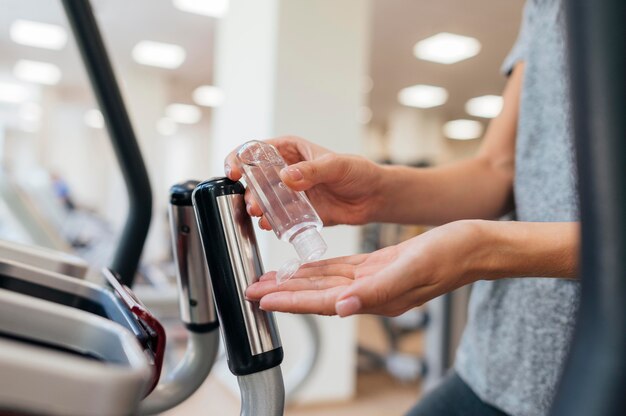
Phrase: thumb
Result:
[304,175]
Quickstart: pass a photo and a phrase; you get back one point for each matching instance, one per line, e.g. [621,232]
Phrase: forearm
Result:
[525,249]
[476,188]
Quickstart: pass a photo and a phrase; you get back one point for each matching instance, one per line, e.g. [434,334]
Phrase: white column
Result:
[295,67]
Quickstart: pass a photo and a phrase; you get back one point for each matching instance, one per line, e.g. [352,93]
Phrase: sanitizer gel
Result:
[290,213]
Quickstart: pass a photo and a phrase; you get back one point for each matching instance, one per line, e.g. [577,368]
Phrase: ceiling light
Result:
[213,8]
[13,93]
[487,106]
[446,48]
[208,96]
[166,126]
[183,113]
[162,55]
[93,118]
[423,96]
[38,72]
[463,129]
[39,35]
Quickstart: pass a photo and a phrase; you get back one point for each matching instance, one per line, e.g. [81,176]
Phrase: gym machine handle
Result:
[106,90]
[234,263]
[250,334]
[197,309]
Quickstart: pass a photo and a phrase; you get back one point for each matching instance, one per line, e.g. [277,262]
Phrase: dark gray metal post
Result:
[106,90]
[594,379]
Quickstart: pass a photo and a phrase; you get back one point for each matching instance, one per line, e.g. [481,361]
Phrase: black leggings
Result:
[453,398]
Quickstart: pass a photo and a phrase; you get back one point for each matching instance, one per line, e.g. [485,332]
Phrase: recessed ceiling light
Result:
[166,126]
[93,118]
[13,93]
[463,129]
[183,113]
[38,72]
[446,48]
[487,106]
[423,96]
[212,8]
[37,34]
[208,96]
[159,54]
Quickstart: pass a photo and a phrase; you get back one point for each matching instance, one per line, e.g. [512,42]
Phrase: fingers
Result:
[252,206]
[325,270]
[292,149]
[354,260]
[338,266]
[262,288]
[321,302]
[254,210]
[326,169]
[322,271]
[264,224]
[377,291]
[268,276]
[231,166]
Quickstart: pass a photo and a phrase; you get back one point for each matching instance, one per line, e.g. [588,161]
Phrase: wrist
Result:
[382,193]
[493,249]
[479,257]
[376,200]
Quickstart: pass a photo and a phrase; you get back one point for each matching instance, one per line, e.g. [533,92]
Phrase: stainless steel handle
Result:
[194,287]
[247,268]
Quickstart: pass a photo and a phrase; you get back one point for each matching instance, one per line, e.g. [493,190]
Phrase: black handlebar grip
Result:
[250,334]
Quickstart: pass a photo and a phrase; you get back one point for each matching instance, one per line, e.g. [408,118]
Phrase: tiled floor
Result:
[378,394]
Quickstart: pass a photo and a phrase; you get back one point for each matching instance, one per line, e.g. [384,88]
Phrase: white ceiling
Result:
[396,26]
[399,24]
[123,24]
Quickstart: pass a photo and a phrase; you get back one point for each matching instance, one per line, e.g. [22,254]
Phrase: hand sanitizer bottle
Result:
[290,213]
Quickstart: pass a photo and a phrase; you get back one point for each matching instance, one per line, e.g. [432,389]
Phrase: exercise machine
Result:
[108,345]
[60,315]
[44,258]
[594,378]
[41,229]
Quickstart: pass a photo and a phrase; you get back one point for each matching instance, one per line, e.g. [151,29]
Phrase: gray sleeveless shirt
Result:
[519,329]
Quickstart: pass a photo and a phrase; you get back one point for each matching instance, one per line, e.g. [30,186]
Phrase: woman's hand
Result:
[397,278]
[386,282]
[342,188]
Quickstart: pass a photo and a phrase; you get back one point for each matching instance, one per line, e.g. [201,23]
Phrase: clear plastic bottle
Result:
[290,213]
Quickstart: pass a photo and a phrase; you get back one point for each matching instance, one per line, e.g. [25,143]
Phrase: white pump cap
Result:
[309,245]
